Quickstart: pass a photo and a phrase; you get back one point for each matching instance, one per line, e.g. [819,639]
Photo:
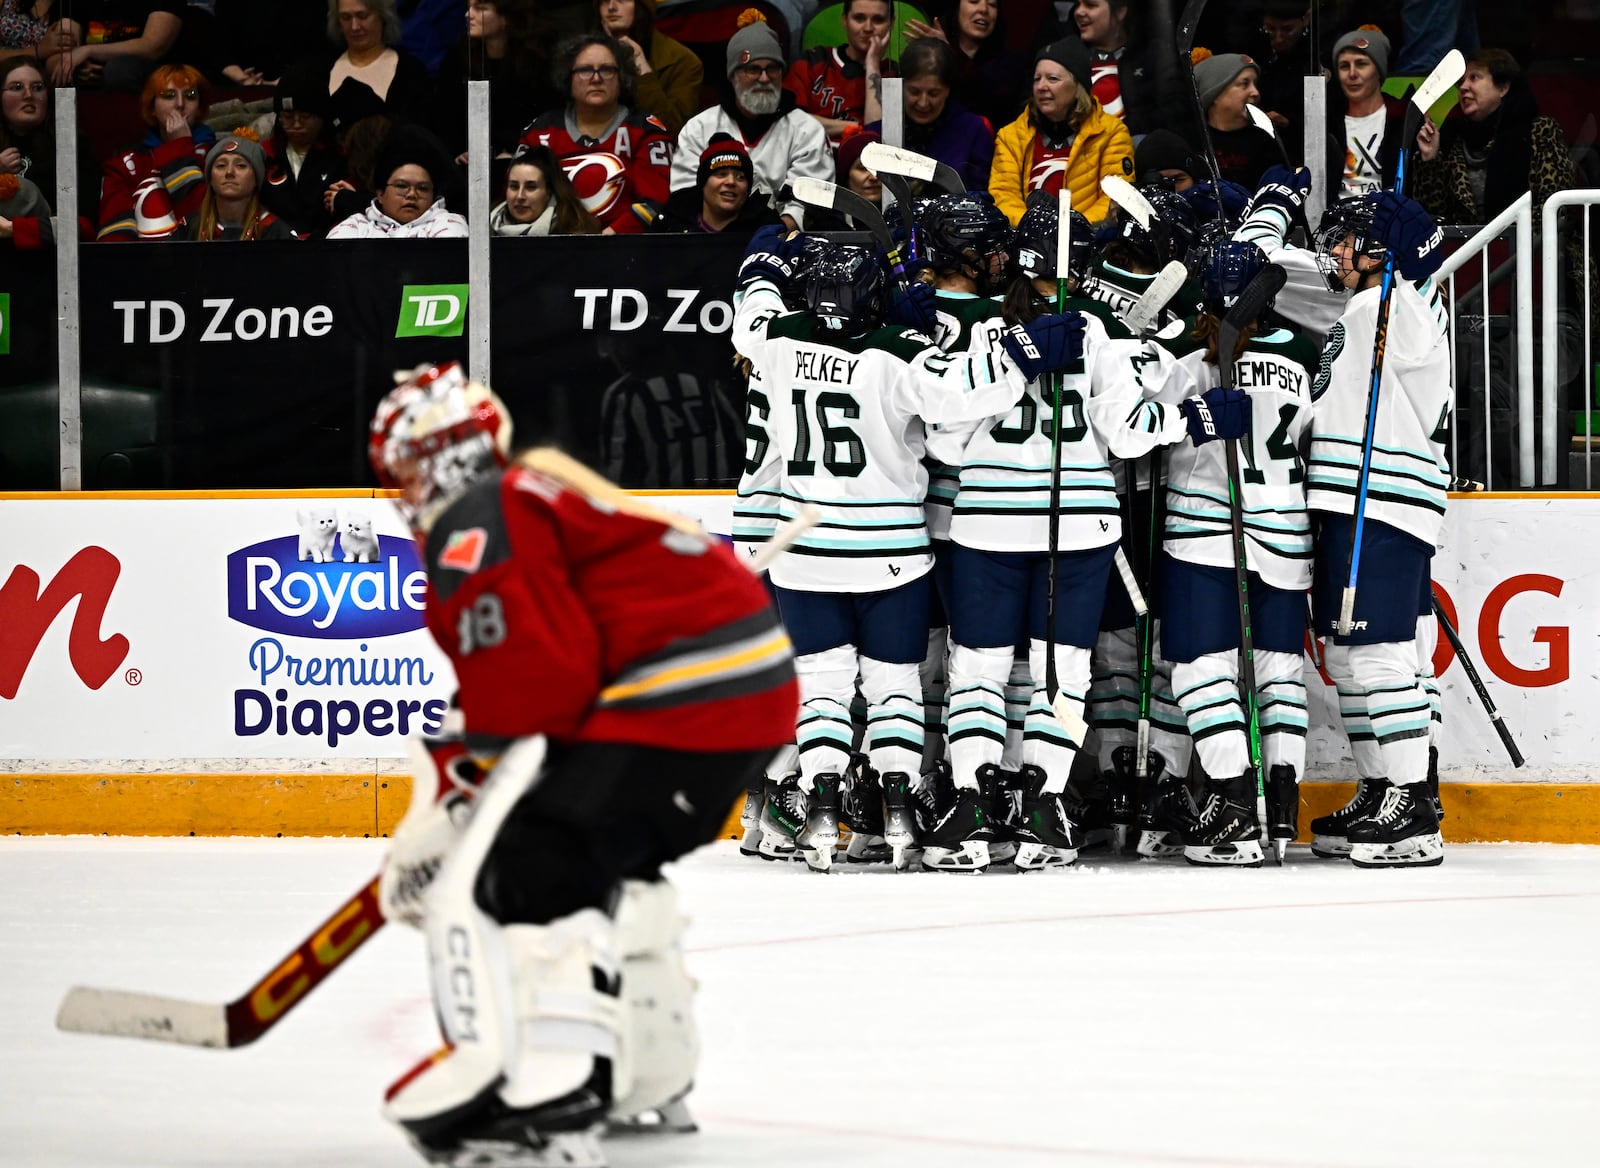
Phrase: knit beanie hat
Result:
[1215,74]
[1370,43]
[353,101]
[20,198]
[755,41]
[247,148]
[303,88]
[1165,150]
[849,153]
[722,151]
[1072,55]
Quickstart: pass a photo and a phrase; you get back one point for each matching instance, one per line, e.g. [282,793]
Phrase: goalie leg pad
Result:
[660,1040]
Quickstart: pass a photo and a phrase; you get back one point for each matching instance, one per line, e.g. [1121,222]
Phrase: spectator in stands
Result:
[619,160]
[1364,126]
[1285,56]
[507,44]
[991,79]
[368,30]
[669,74]
[1164,159]
[253,43]
[1493,146]
[24,215]
[1129,74]
[28,139]
[830,82]
[1226,84]
[23,24]
[935,123]
[429,30]
[1433,27]
[148,189]
[721,199]
[231,212]
[1062,137]
[406,204]
[114,43]
[783,141]
[540,199]
[303,160]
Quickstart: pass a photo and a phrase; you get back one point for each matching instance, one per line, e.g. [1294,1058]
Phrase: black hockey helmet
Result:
[1034,241]
[1348,219]
[1209,234]
[846,289]
[1225,269]
[1170,233]
[812,249]
[969,234]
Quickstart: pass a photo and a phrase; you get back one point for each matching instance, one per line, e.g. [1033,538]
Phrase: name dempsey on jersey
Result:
[813,366]
[1269,375]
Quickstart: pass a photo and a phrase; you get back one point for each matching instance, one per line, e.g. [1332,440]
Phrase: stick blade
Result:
[121,1014]
[1154,298]
[1262,122]
[815,192]
[1125,195]
[881,158]
[1450,69]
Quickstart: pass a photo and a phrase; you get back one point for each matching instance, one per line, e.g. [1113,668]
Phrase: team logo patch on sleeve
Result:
[1127,166]
[464,550]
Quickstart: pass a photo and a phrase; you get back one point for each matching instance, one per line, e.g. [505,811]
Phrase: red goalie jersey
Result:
[631,163]
[571,609]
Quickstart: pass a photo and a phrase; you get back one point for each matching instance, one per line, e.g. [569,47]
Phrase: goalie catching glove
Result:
[444,781]
[1217,413]
[1045,344]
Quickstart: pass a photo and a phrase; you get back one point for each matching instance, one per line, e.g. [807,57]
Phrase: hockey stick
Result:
[1155,297]
[226,1025]
[905,257]
[1246,310]
[816,192]
[1263,123]
[1127,196]
[87,1010]
[1068,716]
[881,159]
[1185,37]
[1445,74]
[1478,687]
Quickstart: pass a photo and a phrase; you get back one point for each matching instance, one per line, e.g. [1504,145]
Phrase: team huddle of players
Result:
[955,431]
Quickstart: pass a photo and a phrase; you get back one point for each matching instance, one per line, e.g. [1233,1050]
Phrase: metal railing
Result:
[1517,220]
[1550,305]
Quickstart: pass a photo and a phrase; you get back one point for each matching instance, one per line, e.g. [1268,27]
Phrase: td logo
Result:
[432,310]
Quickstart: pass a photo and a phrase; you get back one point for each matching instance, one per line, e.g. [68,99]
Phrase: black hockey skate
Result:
[1402,833]
[1092,810]
[1329,833]
[1122,789]
[1048,836]
[1002,799]
[1283,808]
[1166,818]
[1226,832]
[862,811]
[820,835]
[783,815]
[899,820]
[1433,783]
[953,826]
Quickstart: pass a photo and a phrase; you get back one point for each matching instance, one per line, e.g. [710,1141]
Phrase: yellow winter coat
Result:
[1103,146]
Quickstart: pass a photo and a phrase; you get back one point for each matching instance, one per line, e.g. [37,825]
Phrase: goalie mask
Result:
[1034,244]
[1348,220]
[846,290]
[433,436]
[967,233]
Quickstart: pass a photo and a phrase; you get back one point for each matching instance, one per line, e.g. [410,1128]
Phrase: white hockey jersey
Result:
[1276,369]
[1410,472]
[839,422]
[1305,298]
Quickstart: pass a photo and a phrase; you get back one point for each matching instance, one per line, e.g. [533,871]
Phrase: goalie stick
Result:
[1445,74]
[1246,310]
[228,1025]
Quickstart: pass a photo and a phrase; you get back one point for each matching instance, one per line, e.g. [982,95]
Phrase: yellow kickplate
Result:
[1550,813]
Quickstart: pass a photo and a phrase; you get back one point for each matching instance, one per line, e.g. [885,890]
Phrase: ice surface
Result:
[1122,1014]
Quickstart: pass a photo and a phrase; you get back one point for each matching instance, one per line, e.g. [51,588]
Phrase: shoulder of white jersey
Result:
[1102,312]
[898,341]
[1288,344]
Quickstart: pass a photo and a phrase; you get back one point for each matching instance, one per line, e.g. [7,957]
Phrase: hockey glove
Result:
[1282,188]
[1217,413]
[770,256]
[915,307]
[1045,344]
[444,781]
[1401,225]
[1203,200]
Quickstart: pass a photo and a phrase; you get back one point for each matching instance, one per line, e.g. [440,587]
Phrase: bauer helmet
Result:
[1170,232]
[1225,269]
[846,289]
[1348,219]
[433,435]
[969,234]
[812,249]
[1034,244]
